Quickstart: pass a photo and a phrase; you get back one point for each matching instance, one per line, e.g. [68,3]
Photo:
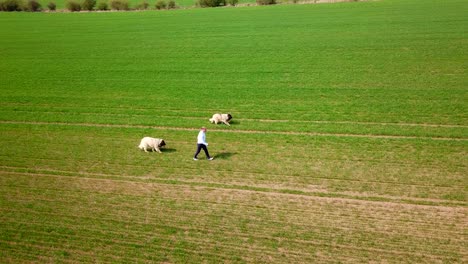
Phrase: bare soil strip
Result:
[342,196]
[239,131]
[389,229]
[191,171]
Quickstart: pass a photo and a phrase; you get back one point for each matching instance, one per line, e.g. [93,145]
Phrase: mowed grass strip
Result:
[129,221]
[371,129]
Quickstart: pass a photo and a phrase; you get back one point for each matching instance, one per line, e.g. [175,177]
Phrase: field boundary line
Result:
[316,134]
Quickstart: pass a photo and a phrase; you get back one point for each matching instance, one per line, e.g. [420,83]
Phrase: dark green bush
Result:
[119,5]
[88,5]
[171,4]
[266,2]
[73,6]
[143,5]
[160,4]
[52,6]
[232,2]
[11,5]
[102,6]
[32,6]
[211,3]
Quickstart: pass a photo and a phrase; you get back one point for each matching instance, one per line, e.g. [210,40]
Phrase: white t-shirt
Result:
[201,139]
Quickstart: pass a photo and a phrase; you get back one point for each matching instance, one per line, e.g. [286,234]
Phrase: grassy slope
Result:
[353,72]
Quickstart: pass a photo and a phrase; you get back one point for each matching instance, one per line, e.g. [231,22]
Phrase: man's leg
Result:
[206,151]
[199,147]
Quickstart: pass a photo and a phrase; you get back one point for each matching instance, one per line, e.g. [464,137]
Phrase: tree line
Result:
[105,5]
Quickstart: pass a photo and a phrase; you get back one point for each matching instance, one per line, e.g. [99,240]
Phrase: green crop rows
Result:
[349,140]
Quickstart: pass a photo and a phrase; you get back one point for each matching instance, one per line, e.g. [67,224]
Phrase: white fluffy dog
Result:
[217,118]
[153,144]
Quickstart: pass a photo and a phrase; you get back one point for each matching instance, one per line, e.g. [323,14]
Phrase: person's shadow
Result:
[224,155]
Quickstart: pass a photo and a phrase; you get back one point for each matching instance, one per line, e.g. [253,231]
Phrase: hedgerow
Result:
[211,3]
[102,6]
[160,4]
[73,6]
[11,5]
[143,5]
[119,5]
[88,5]
[171,4]
[52,6]
[32,6]
[266,2]
[232,2]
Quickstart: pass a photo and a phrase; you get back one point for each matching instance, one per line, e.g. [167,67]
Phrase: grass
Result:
[348,142]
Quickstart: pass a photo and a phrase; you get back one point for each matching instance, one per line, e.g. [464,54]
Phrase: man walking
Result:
[202,144]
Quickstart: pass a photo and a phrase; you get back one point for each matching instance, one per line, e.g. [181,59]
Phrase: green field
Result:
[349,140]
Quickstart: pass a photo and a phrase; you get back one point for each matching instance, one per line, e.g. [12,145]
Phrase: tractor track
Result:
[315,134]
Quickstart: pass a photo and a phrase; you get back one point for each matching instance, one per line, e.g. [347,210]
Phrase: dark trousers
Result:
[199,148]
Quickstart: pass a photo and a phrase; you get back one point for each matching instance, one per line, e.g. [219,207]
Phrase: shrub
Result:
[102,6]
[160,5]
[32,6]
[232,2]
[88,4]
[73,5]
[211,3]
[11,5]
[52,6]
[266,2]
[171,4]
[143,5]
[119,5]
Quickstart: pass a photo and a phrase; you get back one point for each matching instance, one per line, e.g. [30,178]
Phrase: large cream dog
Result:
[217,118]
[153,144]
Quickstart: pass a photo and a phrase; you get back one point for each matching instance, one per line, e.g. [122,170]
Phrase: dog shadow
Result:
[224,155]
[232,122]
[168,150]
